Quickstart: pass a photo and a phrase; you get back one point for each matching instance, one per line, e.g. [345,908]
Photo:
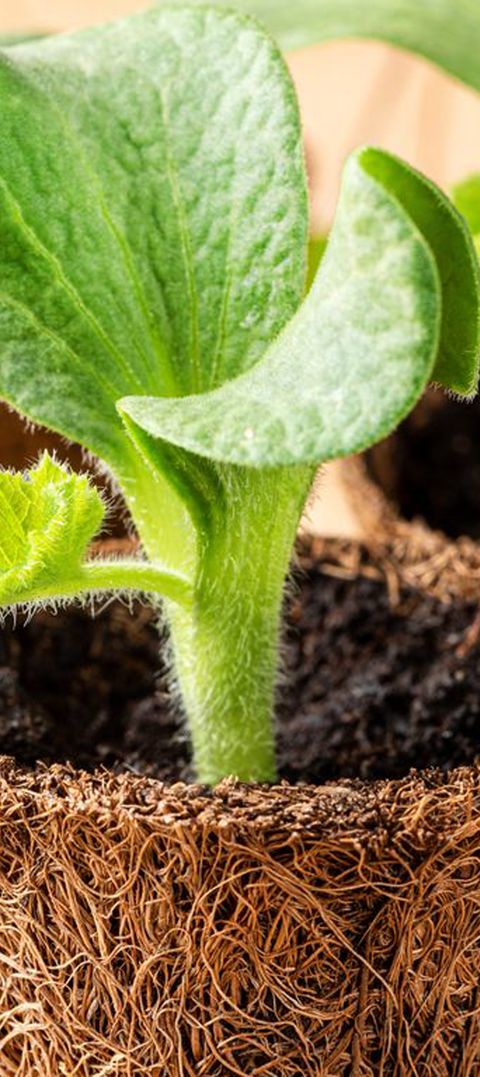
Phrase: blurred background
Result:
[350,93]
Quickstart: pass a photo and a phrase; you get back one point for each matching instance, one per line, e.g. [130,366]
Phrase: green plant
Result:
[153,249]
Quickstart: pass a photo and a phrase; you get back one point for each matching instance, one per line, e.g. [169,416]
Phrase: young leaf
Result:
[49,516]
[378,322]
[466,197]
[152,239]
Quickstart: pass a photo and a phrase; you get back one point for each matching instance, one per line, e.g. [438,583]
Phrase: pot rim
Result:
[356,813]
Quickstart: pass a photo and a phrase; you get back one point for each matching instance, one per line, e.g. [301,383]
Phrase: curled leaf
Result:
[395,303]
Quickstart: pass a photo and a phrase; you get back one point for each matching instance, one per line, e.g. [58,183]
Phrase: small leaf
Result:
[368,337]
[49,516]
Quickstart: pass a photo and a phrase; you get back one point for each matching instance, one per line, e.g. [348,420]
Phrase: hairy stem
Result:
[226,646]
[225,643]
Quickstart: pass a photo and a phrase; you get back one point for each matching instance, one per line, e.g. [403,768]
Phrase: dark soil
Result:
[430,467]
[366,691]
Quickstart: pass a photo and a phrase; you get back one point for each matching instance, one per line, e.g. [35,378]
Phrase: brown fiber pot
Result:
[282,931]
[294,931]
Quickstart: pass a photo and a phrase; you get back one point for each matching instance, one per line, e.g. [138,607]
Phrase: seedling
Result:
[153,307]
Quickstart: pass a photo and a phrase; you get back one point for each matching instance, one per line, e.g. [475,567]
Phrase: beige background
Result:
[350,93]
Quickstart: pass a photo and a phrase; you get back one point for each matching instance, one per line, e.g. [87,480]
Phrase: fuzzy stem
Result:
[226,647]
[226,665]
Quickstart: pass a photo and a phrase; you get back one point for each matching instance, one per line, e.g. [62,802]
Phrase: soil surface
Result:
[367,691]
[430,467]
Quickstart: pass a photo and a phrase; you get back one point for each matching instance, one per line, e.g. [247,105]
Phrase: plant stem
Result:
[225,644]
[226,647]
[226,667]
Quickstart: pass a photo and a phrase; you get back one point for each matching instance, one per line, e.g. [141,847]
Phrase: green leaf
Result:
[153,214]
[445,231]
[466,197]
[444,31]
[368,337]
[49,516]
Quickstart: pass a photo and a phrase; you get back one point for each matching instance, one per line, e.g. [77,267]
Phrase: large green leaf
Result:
[379,321]
[444,31]
[153,214]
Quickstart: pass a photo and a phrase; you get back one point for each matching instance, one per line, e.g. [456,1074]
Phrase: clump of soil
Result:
[430,466]
[366,691]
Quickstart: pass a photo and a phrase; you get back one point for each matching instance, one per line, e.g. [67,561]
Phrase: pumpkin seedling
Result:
[153,307]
